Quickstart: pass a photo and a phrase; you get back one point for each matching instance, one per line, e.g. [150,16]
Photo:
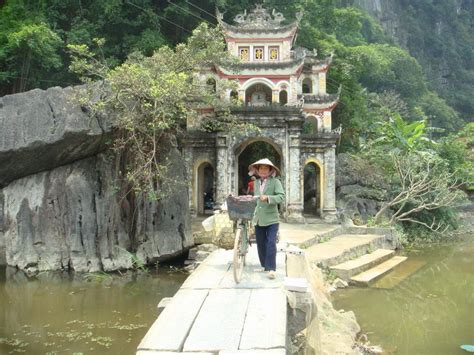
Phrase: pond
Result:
[60,313]
[423,307]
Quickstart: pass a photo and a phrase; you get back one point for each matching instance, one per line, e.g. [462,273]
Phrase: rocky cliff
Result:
[439,35]
[63,204]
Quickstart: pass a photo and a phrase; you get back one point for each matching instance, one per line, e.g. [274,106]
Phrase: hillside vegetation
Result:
[407,90]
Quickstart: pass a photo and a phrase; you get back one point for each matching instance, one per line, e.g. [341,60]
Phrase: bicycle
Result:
[241,210]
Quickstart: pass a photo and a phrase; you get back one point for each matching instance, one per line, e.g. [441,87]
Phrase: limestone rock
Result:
[76,217]
[338,283]
[43,129]
[2,238]
[360,192]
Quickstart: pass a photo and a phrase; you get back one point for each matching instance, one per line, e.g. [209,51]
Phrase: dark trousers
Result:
[266,245]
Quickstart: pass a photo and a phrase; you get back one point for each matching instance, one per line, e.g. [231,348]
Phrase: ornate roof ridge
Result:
[259,19]
[281,29]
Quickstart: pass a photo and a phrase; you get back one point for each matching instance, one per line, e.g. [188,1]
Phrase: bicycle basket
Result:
[240,207]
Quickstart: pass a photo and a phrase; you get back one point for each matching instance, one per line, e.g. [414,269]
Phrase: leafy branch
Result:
[425,185]
[151,99]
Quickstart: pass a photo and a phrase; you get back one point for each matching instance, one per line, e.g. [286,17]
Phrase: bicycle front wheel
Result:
[239,256]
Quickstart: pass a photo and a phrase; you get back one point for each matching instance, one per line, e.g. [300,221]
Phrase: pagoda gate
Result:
[282,90]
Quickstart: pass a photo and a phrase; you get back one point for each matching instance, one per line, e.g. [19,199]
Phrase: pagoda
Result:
[282,90]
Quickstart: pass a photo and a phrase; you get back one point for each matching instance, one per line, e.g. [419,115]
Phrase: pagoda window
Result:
[234,95]
[283,97]
[211,83]
[244,53]
[307,86]
[273,53]
[258,53]
[258,95]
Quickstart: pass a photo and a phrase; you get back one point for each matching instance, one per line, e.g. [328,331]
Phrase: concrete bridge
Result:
[210,314]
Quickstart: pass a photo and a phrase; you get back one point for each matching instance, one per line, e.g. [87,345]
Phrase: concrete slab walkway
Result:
[210,314]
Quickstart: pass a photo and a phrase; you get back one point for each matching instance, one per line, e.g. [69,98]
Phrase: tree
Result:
[387,132]
[29,49]
[151,99]
[425,185]
[458,151]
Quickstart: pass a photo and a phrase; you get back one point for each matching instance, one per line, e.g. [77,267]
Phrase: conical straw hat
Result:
[254,166]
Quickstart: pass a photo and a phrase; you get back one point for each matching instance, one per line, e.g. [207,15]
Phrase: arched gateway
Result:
[282,91]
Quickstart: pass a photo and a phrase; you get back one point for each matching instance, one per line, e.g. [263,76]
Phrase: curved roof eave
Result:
[237,32]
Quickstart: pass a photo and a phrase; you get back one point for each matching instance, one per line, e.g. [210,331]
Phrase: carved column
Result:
[241,95]
[222,169]
[293,189]
[329,209]
[190,173]
[275,96]
[293,91]
[327,121]
[322,83]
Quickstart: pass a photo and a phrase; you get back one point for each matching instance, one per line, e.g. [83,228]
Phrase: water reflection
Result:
[64,313]
[429,312]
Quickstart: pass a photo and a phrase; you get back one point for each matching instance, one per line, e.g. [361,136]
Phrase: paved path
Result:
[210,314]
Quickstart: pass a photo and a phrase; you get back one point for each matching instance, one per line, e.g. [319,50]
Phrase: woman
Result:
[270,193]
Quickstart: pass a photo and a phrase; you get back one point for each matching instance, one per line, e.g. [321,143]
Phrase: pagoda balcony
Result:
[274,107]
[316,99]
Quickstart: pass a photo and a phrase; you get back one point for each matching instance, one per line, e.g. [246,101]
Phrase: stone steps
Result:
[371,275]
[400,273]
[344,247]
[350,268]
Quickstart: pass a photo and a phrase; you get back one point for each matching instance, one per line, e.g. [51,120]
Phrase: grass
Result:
[137,263]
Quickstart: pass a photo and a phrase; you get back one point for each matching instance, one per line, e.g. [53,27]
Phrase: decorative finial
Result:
[299,15]
[259,18]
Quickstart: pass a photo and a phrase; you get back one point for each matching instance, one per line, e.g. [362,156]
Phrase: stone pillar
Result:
[315,80]
[322,83]
[275,96]
[293,189]
[222,169]
[241,95]
[189,164]
[327,121]
[293,90]
[329,208]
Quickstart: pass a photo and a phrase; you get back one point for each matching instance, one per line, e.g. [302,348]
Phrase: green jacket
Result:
[266,213]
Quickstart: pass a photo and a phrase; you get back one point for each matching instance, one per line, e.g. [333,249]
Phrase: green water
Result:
[57,313]
[430,311]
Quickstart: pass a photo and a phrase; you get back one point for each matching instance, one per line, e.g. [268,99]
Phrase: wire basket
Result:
[241,207]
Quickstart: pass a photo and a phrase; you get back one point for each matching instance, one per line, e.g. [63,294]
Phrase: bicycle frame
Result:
[245,236]
[241,245]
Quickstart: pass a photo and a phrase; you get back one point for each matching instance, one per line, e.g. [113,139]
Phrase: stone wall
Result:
[315,327]
[64,204]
